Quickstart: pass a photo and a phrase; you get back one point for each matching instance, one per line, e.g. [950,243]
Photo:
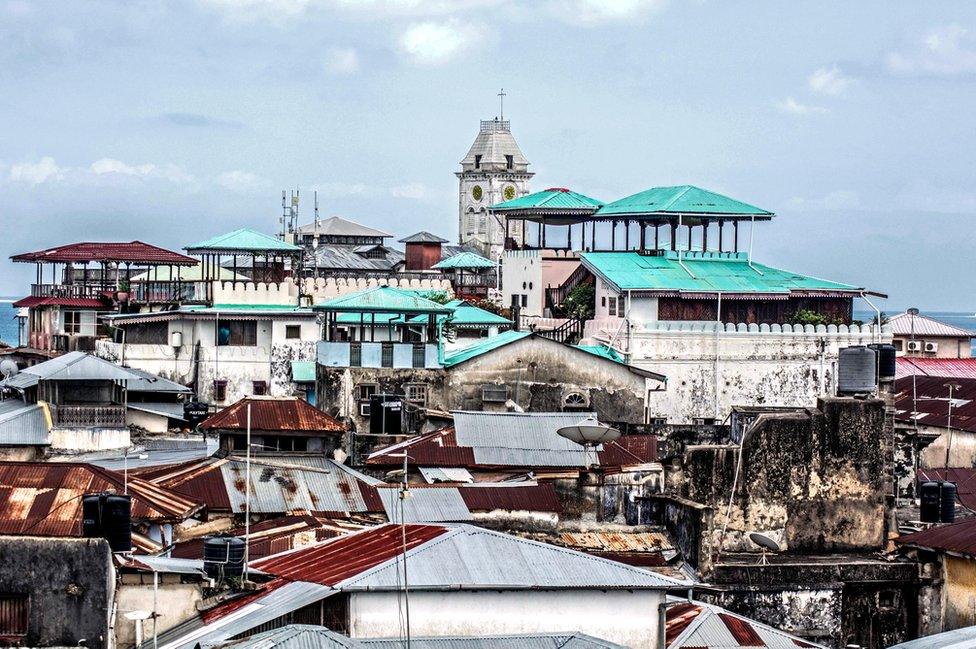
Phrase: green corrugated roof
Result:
[243,239]
[713,272]
[303,371]
[488,344]
[602,351]
[382,299]
[468,315]
[681,199]
[464,260]
[554,198]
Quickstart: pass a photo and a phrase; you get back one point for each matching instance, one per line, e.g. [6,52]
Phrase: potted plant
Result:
[122,294]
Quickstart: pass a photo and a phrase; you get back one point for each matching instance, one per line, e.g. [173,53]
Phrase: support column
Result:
[643,234]
[735,236]
[626,234]
[721,226]
[656,235]
[674,234]
[613,235]
[705,236]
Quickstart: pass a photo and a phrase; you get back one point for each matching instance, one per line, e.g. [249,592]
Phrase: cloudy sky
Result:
[173,121]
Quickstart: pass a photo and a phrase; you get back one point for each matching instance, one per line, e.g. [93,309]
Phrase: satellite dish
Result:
[8,368]
[138,615]
[589,432]
[767,544]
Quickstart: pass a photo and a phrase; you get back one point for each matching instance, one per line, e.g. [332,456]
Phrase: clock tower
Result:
[493,171]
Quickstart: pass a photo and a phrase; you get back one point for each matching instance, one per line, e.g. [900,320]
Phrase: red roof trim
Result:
[77,302]
[130,252]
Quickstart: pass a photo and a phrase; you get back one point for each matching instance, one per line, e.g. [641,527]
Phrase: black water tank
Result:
[91,515]
[856,370]
[117,522]
[930,502]
[886,361]
[948,502]
[223,556]
[385,414]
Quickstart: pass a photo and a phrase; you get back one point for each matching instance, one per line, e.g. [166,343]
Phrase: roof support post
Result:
[705,236]
[656,235]
[674,234]
[543,226]
[569,236]
[613,234]
[735,236]
[626,234]
[721,226]
[643,235]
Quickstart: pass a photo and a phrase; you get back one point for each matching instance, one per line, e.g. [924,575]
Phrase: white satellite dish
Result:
[8,368]
[589,432]
[138,615]
[767,544]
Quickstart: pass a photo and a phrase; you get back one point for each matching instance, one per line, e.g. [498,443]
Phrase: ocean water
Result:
[8,322]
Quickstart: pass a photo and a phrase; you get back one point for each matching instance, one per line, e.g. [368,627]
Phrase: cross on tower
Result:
[501,105]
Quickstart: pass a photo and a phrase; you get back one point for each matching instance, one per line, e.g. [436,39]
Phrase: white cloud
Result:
[148,170]
[435,43]
[254,9]
[792,106]
[36,173]
[342,60]
[840,199]
[239,181]
[336,189]
[596,12]
[943,51]
[416,191]
[829,81]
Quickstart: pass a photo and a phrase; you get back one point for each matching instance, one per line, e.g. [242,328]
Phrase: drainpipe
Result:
[877,312]
[681,263]
[752,229]
[718,328]
[662,617]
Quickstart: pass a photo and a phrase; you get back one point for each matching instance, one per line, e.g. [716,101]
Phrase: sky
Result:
[170,122]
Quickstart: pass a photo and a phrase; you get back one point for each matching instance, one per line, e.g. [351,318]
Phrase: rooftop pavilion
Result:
[680,209]
[272,252]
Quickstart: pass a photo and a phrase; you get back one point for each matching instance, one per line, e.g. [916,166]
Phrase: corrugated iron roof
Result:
[696,625]
[957,639]
[681,199]
[44,499]
[925,399]
[433,475]
[703,272]
[959,538]
[424,505]
[552,200]
[80,366]
[454,555]
[481,347]
[338,226]
[511,497]
[382,299]
[273,414]
[244,240]
[464,260]
[618,541]
[135,252]
[949,368]
[423,237]
[904,324]
[565,640]
[76,302]
[23,424]
[294,636]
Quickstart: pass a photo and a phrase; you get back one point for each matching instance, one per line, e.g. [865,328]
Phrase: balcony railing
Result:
[90,416]
[66,290]
[148,292]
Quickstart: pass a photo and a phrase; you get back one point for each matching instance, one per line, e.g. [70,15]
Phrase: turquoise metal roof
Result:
[464,260]
[382,299]
[468,315]
[602,351]
[554,199]
[710,272]
[488,344]
[242,240]
[303,371]
[681,199]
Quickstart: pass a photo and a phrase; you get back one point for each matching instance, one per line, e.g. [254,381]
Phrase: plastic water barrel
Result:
[91,515]
[223,556]
[930,502]
[948,502]
[856,370]
[886,361]
[117,522]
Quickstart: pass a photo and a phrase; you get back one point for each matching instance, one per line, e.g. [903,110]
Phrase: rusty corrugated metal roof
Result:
[273,413]
[955,537]
[696,625]
[949,368]
[44,498]
[135,252]
[618,541]
[925,399]
[532,498]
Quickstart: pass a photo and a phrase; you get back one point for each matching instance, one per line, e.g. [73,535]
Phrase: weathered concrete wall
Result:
[70,583]
[287,293]
[85,439]
[174,601]
[769,365]
[816,481]
[628,618]
[960,592]
[540,374]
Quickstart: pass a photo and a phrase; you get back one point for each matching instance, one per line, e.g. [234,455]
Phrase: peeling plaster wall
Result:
[760,367]
[811,613]
[540,373]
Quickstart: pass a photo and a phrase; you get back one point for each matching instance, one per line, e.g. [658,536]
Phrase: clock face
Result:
[509,193]
[477,193]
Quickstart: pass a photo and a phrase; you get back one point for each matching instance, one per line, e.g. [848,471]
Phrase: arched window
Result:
[575,402]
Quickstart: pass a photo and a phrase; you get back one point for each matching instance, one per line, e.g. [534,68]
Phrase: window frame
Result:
[420,400]
[74,327]
[293,329]
[234,338]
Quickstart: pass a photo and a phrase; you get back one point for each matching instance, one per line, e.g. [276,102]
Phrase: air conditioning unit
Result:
[931,347]
[914,346]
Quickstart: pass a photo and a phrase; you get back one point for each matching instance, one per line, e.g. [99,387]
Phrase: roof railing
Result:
[495,125]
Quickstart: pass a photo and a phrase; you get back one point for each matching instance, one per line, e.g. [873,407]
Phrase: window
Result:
[603,300]
[386,355]
[259,388]
[494,393]
[887,599]
[366,391]
[72,322]
[525,300]
[509,162]
[417,394]
[575,402]
[220,390]
[293,332]
[899,345]
[14,611]
[355,355]
[612,306]
[477,162]
[237,333]
[149,333]
[419,355]
[284,443]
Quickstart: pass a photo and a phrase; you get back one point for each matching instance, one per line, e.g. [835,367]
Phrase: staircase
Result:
[569,333]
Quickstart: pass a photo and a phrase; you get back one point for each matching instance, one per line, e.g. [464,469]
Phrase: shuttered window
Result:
[14,610]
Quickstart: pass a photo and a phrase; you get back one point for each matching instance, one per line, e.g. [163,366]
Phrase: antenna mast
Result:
[289,213]
[501,105]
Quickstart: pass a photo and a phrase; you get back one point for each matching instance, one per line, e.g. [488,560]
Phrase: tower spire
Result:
[501,105]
